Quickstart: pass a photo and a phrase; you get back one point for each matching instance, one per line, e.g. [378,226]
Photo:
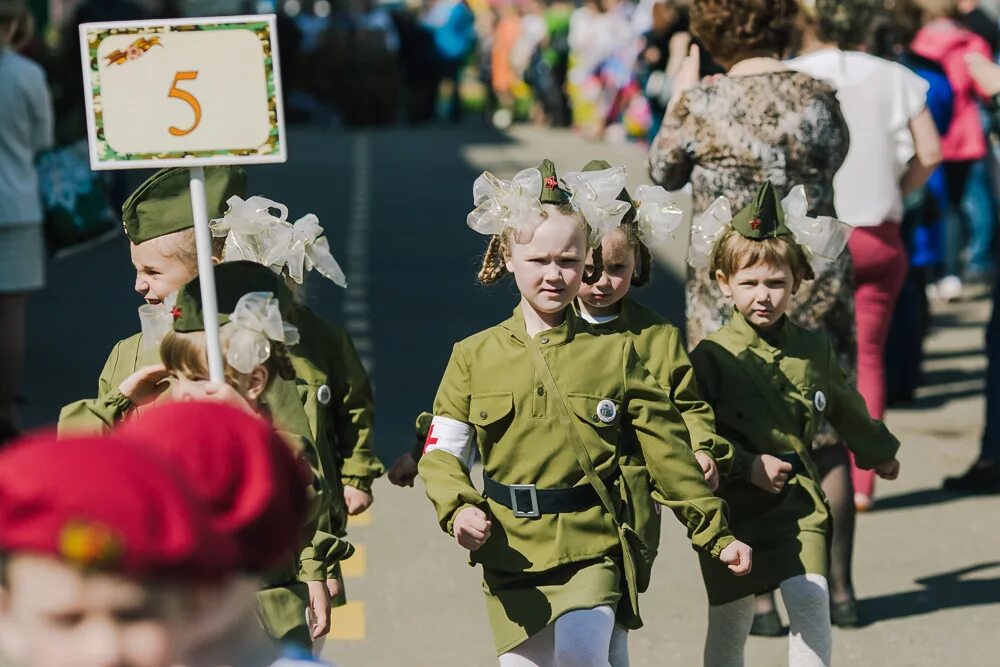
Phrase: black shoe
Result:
[982,477]
[767,624]
[845,614]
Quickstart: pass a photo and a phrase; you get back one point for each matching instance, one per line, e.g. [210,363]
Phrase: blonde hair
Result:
[936,9]
[494,267]
[187,353]
[734,252]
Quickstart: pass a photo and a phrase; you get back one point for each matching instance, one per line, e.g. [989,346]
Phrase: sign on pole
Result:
[185,93]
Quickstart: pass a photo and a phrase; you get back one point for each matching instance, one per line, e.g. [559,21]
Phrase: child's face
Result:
[159,267]
[548,264]
[761,292]
[56,616]
[619,266]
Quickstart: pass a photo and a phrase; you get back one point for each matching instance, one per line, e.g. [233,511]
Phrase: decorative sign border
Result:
[103,156]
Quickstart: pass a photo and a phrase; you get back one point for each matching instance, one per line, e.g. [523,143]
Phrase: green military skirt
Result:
[520,605]
[788,533]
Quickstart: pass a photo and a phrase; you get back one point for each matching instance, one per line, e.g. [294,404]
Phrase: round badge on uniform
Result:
[323,395]
[606,411]
[819,400]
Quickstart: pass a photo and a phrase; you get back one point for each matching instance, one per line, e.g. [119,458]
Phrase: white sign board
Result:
[183,93]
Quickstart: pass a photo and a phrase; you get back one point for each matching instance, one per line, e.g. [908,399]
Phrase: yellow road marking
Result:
[357,565]
[347,623]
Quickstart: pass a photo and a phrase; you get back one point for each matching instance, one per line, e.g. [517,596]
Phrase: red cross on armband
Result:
[431,440]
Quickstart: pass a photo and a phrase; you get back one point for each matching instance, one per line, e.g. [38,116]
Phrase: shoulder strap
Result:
[572,425]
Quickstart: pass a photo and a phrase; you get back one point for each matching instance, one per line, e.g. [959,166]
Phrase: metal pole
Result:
[206,275]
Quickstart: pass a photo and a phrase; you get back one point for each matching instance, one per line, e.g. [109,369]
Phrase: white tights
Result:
[810,640]
[582,638]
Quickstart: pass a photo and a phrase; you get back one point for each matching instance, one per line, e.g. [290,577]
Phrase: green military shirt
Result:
[492,384]
[769,396]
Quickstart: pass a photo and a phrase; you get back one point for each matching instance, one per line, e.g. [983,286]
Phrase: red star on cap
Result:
[176,312]
[551,183]
[755,224]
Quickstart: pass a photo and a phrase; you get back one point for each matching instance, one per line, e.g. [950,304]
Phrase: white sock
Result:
[536,651]
[728,629]
[583,637]
[810,639]
[619,646]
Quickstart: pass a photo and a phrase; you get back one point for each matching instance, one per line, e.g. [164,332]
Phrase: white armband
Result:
[452,436]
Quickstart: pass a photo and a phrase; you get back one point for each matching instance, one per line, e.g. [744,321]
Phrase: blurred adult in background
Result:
[25,130]
[453,25]
[983,476]
[924,209]
[945,41]
[885,106]
[726,136]
[419,71]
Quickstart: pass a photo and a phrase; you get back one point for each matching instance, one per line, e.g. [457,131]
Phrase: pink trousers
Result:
[880,266]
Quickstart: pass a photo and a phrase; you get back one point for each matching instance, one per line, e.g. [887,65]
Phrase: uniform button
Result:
[543,341]
[483,415]
[540,391]
[596,418]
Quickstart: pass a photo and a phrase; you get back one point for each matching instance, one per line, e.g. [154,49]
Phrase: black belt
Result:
[528,501]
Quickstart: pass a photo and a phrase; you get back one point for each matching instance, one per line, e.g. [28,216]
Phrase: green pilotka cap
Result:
[552,192]
[233,280]
[601,165]
[763,218]
[162,204]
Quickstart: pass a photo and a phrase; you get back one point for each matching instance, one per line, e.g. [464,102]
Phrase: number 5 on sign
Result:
[186,97]
[183,93]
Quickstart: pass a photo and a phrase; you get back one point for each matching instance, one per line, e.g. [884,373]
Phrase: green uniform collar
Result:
[778,337]
[763,218]
[555,336]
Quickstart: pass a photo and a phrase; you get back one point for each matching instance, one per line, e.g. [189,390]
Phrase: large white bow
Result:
[249,227]
[303,248]
[156,320]
[253,324]
[595,195]
[706,229]
[824,237]
[501,204]
[656,215]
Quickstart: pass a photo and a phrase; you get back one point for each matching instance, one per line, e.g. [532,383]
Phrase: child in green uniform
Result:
[771,382]
[334,389]
[259,376]
[559,563]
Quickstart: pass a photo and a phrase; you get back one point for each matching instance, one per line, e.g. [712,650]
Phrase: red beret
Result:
[102,503]
[247,476]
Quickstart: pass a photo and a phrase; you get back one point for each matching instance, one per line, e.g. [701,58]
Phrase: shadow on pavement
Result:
[941,591]
[918,498]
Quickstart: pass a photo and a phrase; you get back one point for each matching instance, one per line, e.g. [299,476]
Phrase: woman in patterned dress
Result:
[726,136]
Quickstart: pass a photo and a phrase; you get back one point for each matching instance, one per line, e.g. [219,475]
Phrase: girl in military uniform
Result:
[771,382]
[260,376]
[559,562]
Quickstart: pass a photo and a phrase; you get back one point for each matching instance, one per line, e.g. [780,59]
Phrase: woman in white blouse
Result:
[25,129]
[894,149]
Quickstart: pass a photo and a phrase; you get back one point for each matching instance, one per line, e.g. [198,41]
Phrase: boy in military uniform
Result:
[559,564]
[771,382]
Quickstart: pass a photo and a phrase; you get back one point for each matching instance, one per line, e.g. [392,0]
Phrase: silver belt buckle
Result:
[529,513]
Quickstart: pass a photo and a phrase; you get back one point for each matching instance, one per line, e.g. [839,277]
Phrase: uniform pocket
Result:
[598,411]
[487,409]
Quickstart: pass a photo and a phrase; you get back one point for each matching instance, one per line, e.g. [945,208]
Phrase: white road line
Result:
[355,306]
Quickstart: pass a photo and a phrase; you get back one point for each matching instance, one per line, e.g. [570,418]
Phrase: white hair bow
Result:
[595,195]
[249,228]
[657,216]
[824,237]
[501,204]
[253,325]
[706,229]
[156,320]
[302,247]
